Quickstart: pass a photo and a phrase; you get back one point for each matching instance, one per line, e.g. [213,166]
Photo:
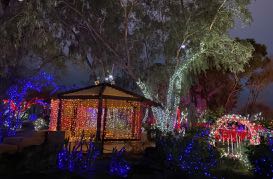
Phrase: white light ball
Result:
[111,77]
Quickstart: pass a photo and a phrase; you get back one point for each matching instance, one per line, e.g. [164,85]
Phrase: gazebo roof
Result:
[105,91]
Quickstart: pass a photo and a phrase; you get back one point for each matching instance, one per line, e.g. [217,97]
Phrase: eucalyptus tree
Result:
[220,89]
[27,43]
[159,44]
[200,31]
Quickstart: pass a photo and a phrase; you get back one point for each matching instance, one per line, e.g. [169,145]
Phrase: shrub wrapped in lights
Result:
[77,160]
[192,154]
[21,97]
[40,124]
[261,158]
[118,165]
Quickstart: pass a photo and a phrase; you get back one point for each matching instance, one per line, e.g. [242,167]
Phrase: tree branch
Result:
[233,90]
[1,9]
[215,17]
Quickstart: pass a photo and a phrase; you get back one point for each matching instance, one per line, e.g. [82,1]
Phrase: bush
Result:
[261,158]
[118,165]
[77,160]
[191,154]
[33,159]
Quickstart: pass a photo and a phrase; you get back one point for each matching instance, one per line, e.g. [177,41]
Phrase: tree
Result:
[27,45]
[258,75]
[222,88]
[221,52]
[178,35]
[218,89]
[20,100]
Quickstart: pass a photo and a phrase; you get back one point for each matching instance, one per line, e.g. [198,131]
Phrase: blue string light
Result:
[195,157]
[261,158]
[118,165]
[77,160]
[17,95]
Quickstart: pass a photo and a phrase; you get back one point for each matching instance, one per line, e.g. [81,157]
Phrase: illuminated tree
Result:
[20,100]
[208,47]
[176,39]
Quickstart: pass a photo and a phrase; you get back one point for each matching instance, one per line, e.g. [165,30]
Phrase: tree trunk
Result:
[1,9]
[182,4]
[191,110]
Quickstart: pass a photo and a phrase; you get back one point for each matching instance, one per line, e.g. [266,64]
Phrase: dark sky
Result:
[261,29]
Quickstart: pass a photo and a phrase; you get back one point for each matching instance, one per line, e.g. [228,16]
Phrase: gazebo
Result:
[104,111]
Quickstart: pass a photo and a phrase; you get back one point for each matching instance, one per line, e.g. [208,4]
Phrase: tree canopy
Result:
[222,88]
[177,39]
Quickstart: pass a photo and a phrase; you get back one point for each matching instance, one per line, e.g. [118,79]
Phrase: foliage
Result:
[257,76]
[216,88]
[118,165]
[211,116]
[231,168]
[40,124]
[31,159]
[263,120]
[261,157]
[27,41]
[20,99]
[75,159]
[221,88]
[191,154]
[132,40]
[230,164]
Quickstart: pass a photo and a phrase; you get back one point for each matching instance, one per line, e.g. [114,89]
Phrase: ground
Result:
[39,162]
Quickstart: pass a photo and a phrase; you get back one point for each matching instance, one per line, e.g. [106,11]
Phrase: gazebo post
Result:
[100,106]
[98,138]
[139,120]
[104,126]
[133,122]
[59,115]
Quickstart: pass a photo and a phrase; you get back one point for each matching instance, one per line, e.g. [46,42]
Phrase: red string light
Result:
[123,120]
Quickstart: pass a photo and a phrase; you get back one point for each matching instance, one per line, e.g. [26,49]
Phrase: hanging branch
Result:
[1,9]
[97,35]
[215,17]
[126,22]
[233,90]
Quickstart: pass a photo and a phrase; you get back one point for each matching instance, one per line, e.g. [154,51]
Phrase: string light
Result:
[118,165]
[39,124]
[77,160]
[220,126]
[54,106]
[109,79]
[189,156]
[18,103]
[233,138]
[123,120]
